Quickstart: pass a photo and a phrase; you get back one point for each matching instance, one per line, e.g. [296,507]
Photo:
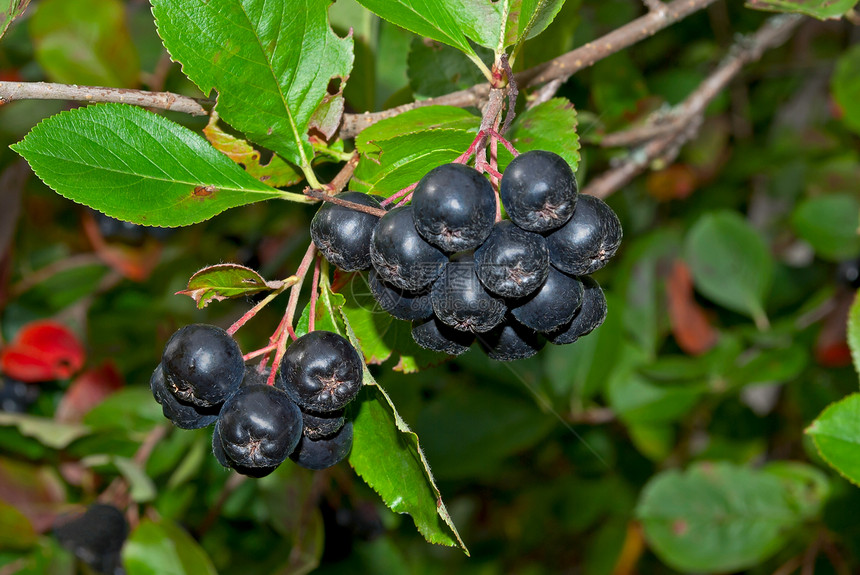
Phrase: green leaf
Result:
[142,489]
[136,166]
[836,433]
[9,10]
[16,531]
[131,409]
[386,454]
[821,9]
[845,84]
[808,487]
[830,224]
[47,431]
[163,548]
[435,70]
[548,126]
[730,262]
[528,18]
[371,142]
[95,51]
[224,281]
[854,332]
[716,517]
[271,63]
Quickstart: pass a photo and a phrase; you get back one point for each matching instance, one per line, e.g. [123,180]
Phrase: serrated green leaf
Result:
[549,126]
[436,69]
[845,85]
[831,224]
[730,263]
[164,548]
[224,281]
[716,517]
[9,10]
[137,166]
[836,433]
[386,454]
[47,431]
[271,63]
[370,142]
[821,9]
[529,19]
[95,51]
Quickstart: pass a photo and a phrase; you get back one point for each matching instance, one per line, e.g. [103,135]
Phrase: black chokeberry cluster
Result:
[444,263]
[202,379]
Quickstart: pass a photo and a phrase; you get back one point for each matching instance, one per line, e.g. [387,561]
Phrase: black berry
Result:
[538,191]
[400,255]
[222,458]
[342,234]
[17,396]
[511,341]
[321,425]
[512,262]
[202,364]
[590,315]
[587,242]
[402,304]
[459,299]
[454,207]
[323,371]
[183,415]
[322,453]
[552,305]
[434,335]
[253,376]
[95,537]
[259,426]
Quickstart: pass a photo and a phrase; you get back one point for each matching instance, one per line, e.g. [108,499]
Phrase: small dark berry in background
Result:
[342,235]
[95,537]
[17,396]
[538,190]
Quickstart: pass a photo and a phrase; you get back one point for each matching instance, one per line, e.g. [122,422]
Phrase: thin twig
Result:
[315,286]
[397,195]
[321,195]
[339,182]
[256,309]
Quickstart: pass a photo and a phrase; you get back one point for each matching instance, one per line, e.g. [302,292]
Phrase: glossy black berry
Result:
[511,341]
[259,426]
[17,396]
[552,305]
[454,207]
[434,335]
[342,235]
[848,273]
[95,537]
[321,425]
[222,458]
[538,191]
[183,415]
[322,453]
[400,255]
[512,262]
[202,365]
[588,317]
[461,301]
[587,242]
[402,304]
[253,376]
[323,371]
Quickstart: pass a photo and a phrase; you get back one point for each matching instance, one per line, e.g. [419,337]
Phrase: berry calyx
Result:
[587,242]
[461,301]
[342,235]
[400,255]
[512,262]
[539,191]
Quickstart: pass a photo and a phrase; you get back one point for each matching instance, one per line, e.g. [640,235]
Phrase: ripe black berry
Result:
[400,255]
[512,262]
[321,425]
[538,191]
[95,537]
[590,315]
[323,371]
[342,234]
[511,341]
[434,335]
[402,304]
[255,377]
[322,453]
[183,415]
[17,396]
[454,207]
[259,426]
[552,305]
[202,365]
[587,242]
[222,458]
[459,299]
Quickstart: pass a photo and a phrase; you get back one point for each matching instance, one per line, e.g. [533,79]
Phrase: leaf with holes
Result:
[224,281]
[139,167]
[271,63]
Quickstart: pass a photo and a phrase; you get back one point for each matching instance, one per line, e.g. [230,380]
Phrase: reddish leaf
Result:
[831,346]
[134,263]
[675,182]
[692,331]
[88,390]
[36,492]
[43,350]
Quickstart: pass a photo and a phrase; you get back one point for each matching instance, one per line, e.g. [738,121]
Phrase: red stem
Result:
[315,283]
[405,191]
[464,157]
[504,142]
[259,352]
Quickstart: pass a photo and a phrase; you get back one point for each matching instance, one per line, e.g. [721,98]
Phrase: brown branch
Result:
[11,91]
[686,118]
[339,182]
[321,195]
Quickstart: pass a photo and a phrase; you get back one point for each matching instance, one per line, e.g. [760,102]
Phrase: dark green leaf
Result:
[549,126]
[136,166]
[95,51]
[730,262]
[836,434]
[716,517]
[821,9]
[371,142]
[271,63]
[846,83]
[807,486]
[164,548]
[9,10]
[47,431]
[224,281]
[131,410]
[830,224]
[436,69]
